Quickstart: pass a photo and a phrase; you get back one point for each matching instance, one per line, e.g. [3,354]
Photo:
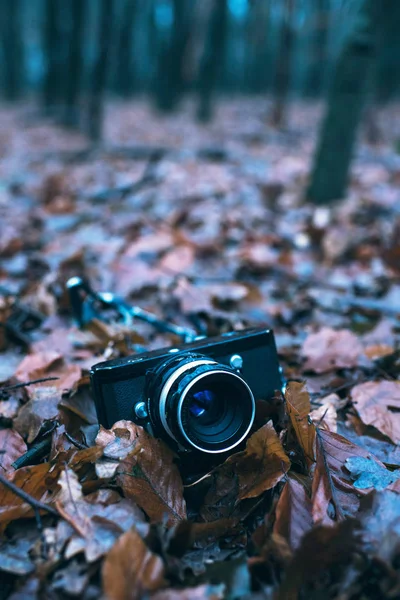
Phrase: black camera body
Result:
[198,397]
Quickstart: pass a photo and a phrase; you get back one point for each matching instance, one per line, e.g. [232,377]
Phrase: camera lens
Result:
[215,410]
[202,405]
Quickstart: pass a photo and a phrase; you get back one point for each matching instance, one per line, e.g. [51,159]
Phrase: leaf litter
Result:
[310,505]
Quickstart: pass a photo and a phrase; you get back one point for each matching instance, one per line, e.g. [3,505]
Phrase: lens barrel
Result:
[200,403]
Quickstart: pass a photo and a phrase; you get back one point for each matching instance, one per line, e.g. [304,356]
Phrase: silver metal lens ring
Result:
[168,385]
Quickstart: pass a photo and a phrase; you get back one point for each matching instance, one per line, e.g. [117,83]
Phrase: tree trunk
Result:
[170,72]
[345,102]
[283,69]
[257,41]
[99,75]
[125,80]
[10,17]
[75,62]
[212,58]
[54,49]
[318,49]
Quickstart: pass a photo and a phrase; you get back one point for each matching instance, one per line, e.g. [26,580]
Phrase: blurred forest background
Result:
[72,55]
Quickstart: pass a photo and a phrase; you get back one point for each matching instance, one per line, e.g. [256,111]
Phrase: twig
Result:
[75,442]
[31,456]
[35,504]
[20,385]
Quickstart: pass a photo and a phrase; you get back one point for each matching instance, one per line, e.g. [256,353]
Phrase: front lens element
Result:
[201,403]
[216,411]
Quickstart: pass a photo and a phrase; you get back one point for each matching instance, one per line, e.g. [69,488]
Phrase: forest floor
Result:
[206,226]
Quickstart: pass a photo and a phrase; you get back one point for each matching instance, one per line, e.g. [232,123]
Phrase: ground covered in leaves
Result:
[207,227]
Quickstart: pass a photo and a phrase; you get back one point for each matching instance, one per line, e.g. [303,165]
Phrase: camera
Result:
[200,397]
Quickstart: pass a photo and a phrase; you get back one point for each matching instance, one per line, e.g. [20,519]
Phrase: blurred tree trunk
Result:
[283,65]
[170,72]
[212,58]
[52,47]
[10,17]
[125,81]
[75,61]
[345,103]
[100,69]
[387,81]
[318,48]
[258,77]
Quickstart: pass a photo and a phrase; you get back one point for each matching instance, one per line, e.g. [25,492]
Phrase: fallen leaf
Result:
[119,441]
[36,366]
[32,480]
[298,408]
[14,557]
[130,570]
[293,513]
[325,416]
[321,549]
[376,351]
[330,349]
[98,518]
[378,405]
[12,446]
[43,406]
[368,474]
[246,474]
[334,496]
[148,474]
[49,364]
[262,465]
[72,580]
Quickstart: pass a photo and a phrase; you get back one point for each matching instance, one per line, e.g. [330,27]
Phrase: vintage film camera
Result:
[199,397]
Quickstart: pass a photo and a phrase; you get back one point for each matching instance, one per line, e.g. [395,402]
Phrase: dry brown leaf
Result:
[262,465]
[32,480]
[148,474]
[98,518]
[246,475]
[298,408]
[42,406]
[325,416]
[49,364]
[35,366]
[12,446]
[119,441]
[130,570]
[329,349]
[293,512]
[334,497]
[321,549]
[375,351]
[378,404]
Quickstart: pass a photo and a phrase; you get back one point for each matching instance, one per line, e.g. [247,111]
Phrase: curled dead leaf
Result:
[98,518]
[147,474]
[293,512]
[298,408]
[262,465]
[378,405]
[334,496]
[130,570]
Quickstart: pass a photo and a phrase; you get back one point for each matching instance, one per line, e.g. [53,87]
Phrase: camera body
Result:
[198,397]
